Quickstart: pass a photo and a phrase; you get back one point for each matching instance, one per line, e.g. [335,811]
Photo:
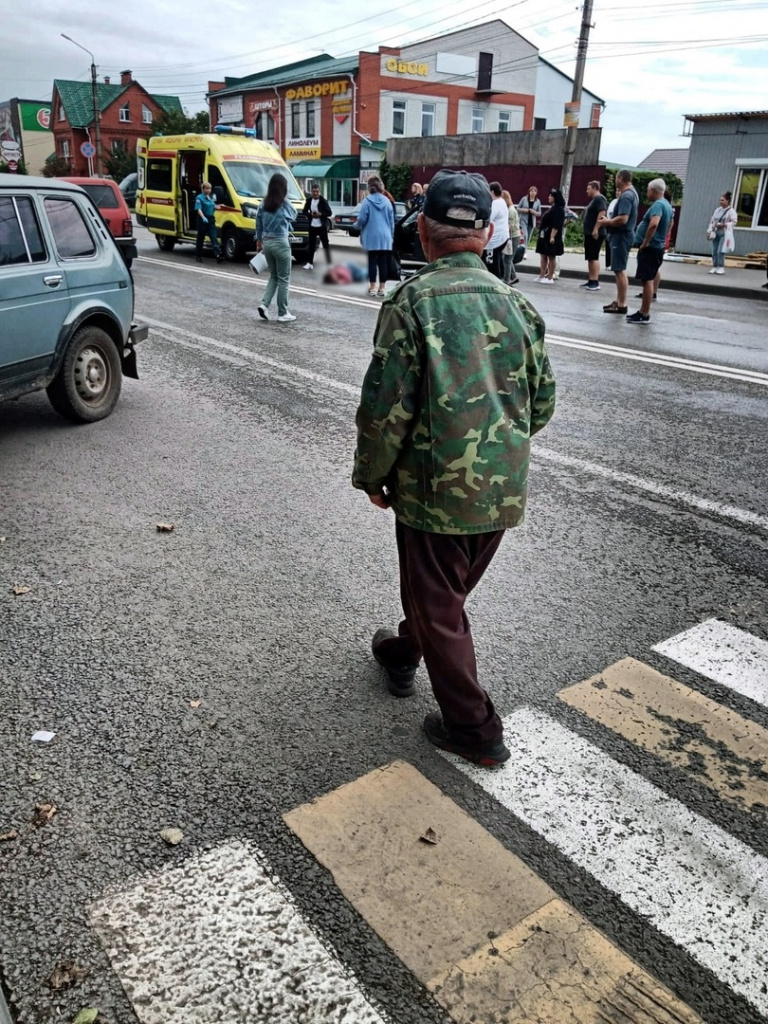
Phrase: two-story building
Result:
[125,112]
[331,118]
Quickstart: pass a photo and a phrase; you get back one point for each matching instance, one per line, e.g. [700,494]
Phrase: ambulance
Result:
[172,168]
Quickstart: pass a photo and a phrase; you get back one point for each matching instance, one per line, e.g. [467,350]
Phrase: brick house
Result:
[126,112]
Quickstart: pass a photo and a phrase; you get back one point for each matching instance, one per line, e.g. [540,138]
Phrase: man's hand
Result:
[380,500]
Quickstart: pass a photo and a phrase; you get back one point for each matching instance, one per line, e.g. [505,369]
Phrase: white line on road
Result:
[179,335]
[695,883]
[216,939]
[725,654]
[617,351]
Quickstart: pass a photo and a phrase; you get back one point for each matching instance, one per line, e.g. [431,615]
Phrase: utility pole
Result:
[96,111]
[578,81]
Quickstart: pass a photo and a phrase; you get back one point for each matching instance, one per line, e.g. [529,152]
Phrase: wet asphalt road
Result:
[262,601]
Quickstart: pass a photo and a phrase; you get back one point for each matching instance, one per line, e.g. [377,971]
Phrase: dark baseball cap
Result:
[458,188]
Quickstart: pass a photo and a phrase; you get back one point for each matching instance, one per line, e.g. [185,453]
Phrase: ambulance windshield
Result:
[251,179]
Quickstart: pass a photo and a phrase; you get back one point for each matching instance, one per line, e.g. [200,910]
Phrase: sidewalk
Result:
[736,283]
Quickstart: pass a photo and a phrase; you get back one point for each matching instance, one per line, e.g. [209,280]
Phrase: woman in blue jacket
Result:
[376,221]
[273,221]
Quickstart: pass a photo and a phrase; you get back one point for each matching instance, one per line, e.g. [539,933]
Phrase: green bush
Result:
[640,180]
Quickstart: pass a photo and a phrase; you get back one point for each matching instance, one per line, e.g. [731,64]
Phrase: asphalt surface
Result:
[646,513]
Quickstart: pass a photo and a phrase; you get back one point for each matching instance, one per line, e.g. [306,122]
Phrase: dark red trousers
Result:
[437,573]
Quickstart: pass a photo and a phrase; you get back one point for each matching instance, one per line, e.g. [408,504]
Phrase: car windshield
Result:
[103,196]
[251,179]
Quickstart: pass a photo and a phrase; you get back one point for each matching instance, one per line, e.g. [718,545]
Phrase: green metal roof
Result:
[346,167]
[77,99]
[300,71]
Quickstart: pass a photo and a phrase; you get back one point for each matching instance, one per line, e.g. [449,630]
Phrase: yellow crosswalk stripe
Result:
[473,923]
[718,747]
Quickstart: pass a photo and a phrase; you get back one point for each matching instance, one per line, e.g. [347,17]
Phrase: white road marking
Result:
[725,654]
[216,939]
[617,351]
[226,350]
[695,883]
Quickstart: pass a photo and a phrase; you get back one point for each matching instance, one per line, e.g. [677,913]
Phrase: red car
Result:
[111,204]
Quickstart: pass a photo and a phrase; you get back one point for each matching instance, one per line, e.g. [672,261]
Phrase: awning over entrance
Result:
[345,167]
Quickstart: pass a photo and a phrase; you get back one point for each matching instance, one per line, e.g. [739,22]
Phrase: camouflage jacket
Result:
[459,381]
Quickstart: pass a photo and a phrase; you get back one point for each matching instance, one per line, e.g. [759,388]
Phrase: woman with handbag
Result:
[720,232]
[273,221]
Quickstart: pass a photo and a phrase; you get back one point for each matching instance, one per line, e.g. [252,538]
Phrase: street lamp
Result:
[94,96]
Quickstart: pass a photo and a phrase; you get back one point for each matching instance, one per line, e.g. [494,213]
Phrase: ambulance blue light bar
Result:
[228,129]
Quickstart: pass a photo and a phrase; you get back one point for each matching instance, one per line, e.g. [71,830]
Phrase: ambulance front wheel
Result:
[165,242]
[230,245]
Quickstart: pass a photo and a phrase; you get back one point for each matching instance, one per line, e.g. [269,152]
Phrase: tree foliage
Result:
[119,163]
[397,178]
[56,167]
[175,122]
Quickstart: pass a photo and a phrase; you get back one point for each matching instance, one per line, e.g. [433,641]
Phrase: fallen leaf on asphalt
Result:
[195,703]
[2,540]
[172,836]
[165,527]
[430,836]
[21,590]
[43,813]
[67,974]
[88,1016]
[7,836]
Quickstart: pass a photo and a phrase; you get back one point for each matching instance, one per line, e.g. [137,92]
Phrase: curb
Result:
[5,1013]
[705,288]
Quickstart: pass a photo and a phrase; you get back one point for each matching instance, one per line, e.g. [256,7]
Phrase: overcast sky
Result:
[651,62]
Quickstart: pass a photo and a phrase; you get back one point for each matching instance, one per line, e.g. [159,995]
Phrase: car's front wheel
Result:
[230,245]
[88,384]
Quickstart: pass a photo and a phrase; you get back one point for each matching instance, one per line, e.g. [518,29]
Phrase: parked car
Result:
[406,244]
[401,209]
[112,206]
[66,299]
[129,186]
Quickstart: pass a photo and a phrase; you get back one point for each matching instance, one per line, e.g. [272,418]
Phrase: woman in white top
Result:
[720,233]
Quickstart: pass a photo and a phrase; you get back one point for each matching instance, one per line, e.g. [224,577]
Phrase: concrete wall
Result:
[712,170]
[519,149]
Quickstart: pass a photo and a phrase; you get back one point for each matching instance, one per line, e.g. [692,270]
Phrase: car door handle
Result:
[53,280]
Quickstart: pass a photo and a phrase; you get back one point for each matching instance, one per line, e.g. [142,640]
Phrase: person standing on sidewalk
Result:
[273,221]
[318,209]
[443,438]
[650,238]
[376,221]
[500,235]
[720,232]
[621,232]
[529,209]
[205,208]
[550,242]
[513,242]
[593,235]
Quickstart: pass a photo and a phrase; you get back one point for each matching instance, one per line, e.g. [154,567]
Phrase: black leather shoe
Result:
[400,677]
[487,756]
[219,258]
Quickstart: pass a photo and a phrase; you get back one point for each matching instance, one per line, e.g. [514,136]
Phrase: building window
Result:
[119,146]
[146,114]
[539,124]
[62,115]
[427,119]
[310,119]
[65,148]
[125,112]
[265,126]
[295,120]
[478,120]
[505,120]
[752,197]
[398,117]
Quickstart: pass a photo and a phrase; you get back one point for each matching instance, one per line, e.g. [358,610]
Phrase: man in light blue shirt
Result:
[205,210]
[650,237]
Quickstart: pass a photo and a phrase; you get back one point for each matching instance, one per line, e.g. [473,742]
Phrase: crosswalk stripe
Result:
[696,884]
[474,924]
[217,939]
[724,653]
[717,746]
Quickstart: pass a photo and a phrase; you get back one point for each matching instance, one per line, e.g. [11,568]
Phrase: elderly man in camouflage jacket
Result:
[459,381]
